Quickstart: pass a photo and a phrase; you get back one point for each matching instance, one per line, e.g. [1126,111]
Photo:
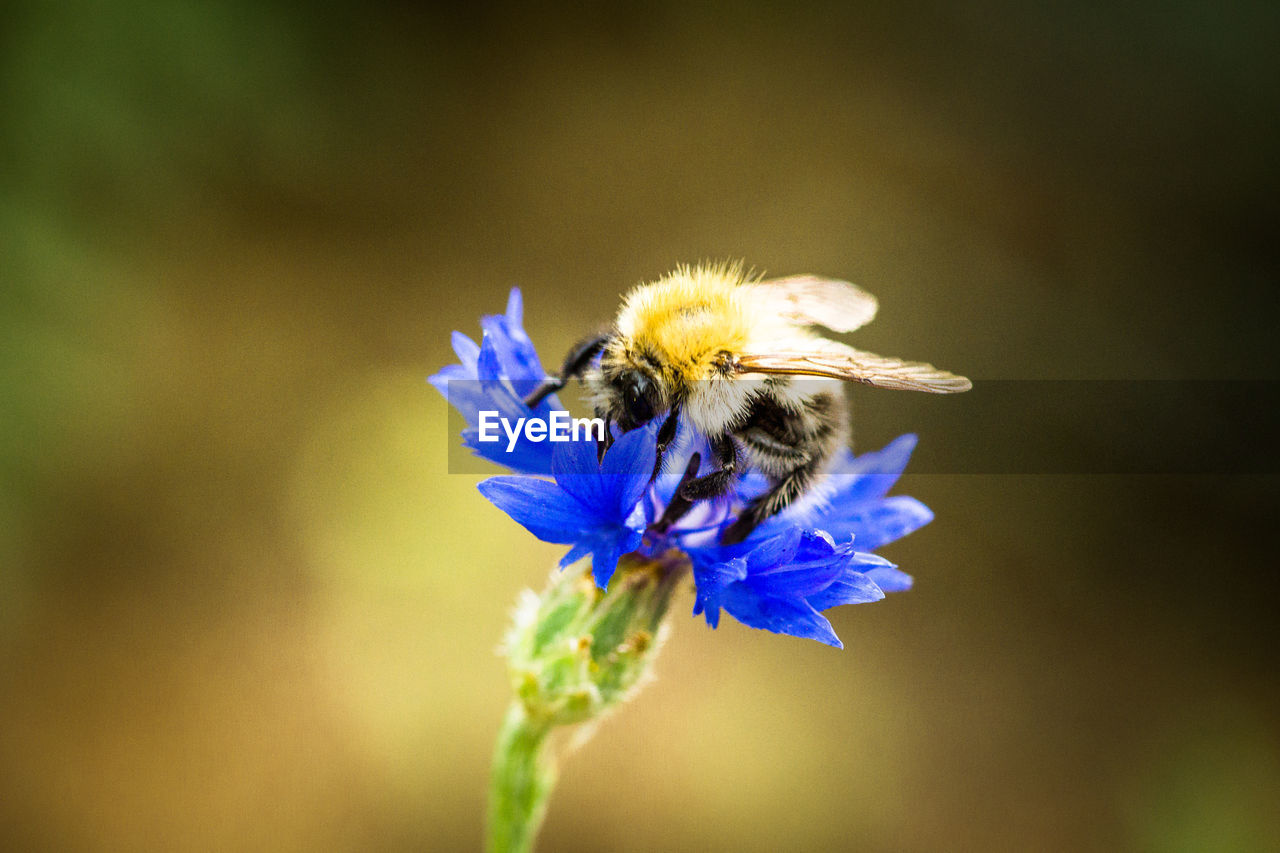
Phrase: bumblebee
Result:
[710,344]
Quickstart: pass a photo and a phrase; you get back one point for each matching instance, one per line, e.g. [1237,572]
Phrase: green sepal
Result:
[574,653]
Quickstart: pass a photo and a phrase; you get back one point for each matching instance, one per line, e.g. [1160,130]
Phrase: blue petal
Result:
[573,464]
[467,351]
[779,615]
[451,381]
[864,562]
[814,566]
[493,395]
[604,560]
[856,486]
[520,363]
[711,581]
[606,547]
[525,457]
[610,491]
[890,579]
[762,552]
[494,390]
[515,309]
[515,351]
[723,574]
[629,465]
[778,549]
[519,337]
[576,553]
[754,555]
[453,384]
[494,381]
[447,374]
[495,376]
[489,368]
[871,475]
[880,523]
[798,580]
[540,507]
[850,588]
[633,453]
[469,398]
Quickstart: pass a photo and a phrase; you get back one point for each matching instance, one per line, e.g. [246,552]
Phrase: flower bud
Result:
[576,651]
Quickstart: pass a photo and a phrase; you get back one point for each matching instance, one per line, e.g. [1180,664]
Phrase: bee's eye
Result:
[635,395]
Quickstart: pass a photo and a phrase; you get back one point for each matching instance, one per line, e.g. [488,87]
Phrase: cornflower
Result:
[584,645]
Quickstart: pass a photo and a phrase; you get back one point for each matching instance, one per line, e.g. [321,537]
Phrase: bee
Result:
[712,345]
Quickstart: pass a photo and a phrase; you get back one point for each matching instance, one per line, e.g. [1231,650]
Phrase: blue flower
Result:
[496,376]
[592,506]
[781,582]
[811,557]
[857,506]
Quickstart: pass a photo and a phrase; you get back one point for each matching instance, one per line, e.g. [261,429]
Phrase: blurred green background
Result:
[243,605]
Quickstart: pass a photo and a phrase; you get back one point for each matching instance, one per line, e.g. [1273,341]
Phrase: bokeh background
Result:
[244,605]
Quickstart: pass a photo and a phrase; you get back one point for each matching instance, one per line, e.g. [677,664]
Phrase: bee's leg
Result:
[666,434]
[679,505]
[574,364]
[717,482]
[779,496]
[603,446]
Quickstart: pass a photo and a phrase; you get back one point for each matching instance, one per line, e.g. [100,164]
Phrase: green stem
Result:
[574,653]
[524,773]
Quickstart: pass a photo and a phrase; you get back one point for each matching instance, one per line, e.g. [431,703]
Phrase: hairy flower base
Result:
[574,653]
[576,650]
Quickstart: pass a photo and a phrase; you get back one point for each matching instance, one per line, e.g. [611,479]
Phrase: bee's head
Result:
[638,397]
[633,391]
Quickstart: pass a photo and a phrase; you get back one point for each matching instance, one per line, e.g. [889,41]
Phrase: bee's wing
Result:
[838,361]
[810,301]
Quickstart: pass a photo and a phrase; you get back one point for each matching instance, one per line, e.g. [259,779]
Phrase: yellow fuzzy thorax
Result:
[687,317]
